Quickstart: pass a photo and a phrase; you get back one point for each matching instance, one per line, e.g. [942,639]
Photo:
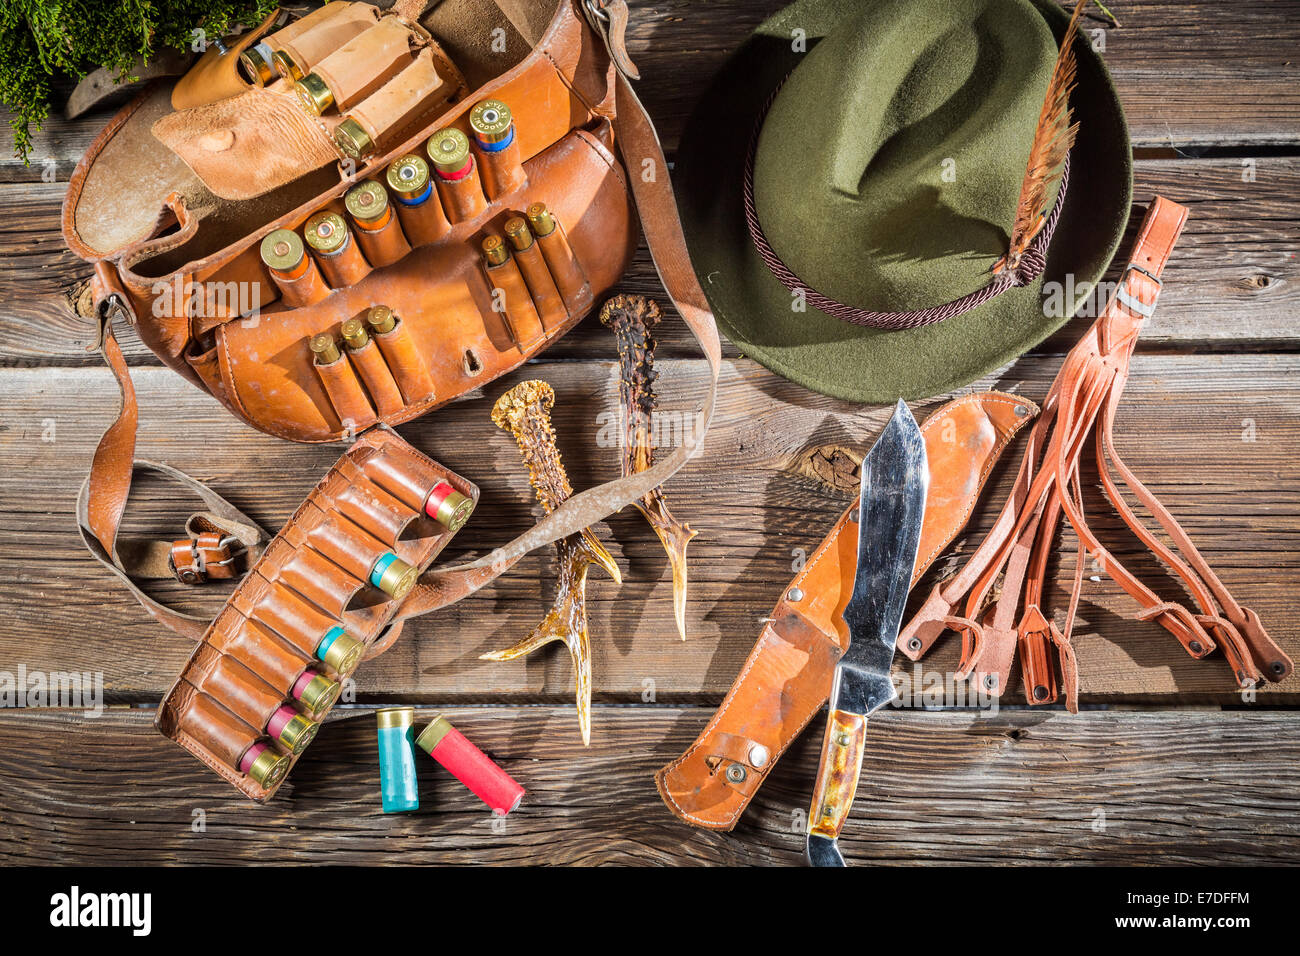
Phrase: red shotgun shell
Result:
[471,766]
[448,506]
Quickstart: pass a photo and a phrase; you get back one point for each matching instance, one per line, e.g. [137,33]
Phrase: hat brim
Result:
[829,355]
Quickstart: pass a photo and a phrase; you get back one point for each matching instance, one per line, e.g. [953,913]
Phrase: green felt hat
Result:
[887,142]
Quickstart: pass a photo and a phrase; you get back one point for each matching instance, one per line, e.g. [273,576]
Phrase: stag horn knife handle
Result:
[837,783]
[632,317]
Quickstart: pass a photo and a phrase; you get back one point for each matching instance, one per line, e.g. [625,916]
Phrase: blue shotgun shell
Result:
[398,787]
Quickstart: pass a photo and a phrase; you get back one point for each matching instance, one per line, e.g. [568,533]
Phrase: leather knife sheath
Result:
[787,677]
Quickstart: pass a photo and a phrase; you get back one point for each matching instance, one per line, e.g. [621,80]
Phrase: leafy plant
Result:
[40,39]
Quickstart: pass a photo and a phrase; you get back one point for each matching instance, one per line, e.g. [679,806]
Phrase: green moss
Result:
[41,39]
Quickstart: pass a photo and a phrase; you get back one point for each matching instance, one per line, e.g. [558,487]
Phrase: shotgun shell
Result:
[353,139]
[367,203]
[314,94]
[327,233]
[264,765]
[408,178]
[291,728]
[495,250]
[258,64]
[539,217]
[398,784]
[324,348]
[449,151]
[315,691]
[393,576]
[283,252]
[354,333]
[286,65]
[340,650]
[518,233]
[447,745]
[448,506]
[381,319]
[493,127]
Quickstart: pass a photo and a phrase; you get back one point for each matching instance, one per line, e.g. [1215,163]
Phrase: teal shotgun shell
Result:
[393,576]
[339,650]
[399,789]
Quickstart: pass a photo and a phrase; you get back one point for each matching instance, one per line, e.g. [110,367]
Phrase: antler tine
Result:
[525,412]
[632,317]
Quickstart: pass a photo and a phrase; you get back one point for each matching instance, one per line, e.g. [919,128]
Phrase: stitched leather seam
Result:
[995,454]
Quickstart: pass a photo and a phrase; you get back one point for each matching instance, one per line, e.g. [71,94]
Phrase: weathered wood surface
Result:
[1016,787]
[1209,421]
[1192,73]
[1236,259]
[1215,437]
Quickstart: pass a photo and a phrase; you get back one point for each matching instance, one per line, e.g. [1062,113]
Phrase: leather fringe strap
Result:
[1079,417]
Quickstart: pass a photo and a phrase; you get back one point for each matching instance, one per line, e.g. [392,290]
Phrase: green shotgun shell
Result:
[393,576]
[340,650]
[399,789]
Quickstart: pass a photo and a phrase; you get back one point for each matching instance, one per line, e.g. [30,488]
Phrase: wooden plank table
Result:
[1166,763]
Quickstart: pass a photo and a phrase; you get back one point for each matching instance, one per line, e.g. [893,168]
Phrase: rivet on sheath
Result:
[1195,647]
[853,515]
[736,773]
[828,811]
[914,644]
[990,681]
[795,595]
[1021,411]
[1040,692]
[758,755]
[842,740]
[1277,667]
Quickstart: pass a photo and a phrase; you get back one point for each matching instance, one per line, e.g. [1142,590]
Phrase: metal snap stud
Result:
[736,773]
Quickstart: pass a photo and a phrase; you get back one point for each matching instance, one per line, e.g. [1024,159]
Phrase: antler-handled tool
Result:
[525,412]
[891,504]
[632,317]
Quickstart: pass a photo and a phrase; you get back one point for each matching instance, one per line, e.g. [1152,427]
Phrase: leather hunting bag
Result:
[190,205]
[175,237]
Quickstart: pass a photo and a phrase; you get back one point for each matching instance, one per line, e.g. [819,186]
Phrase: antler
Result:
[525,412]
[632,317]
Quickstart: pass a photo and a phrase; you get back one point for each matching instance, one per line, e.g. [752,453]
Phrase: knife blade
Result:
[891,505]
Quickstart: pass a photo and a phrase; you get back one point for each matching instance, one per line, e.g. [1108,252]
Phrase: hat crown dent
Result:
[889,167]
